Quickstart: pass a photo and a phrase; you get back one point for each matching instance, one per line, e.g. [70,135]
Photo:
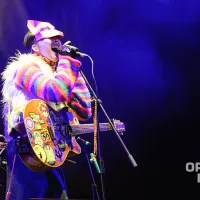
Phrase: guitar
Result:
[48,136]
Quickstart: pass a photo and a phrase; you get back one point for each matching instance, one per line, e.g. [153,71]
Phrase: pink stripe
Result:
[42,87]
[82,90]
[32,79]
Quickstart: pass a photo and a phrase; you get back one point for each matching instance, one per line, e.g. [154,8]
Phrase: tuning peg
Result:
[117,123]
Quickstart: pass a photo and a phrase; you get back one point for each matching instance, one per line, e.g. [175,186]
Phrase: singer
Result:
[54,78]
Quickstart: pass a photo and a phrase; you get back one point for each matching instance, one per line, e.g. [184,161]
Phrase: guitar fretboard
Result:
[89,128]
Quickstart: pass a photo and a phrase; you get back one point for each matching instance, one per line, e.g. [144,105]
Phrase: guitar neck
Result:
[89,128]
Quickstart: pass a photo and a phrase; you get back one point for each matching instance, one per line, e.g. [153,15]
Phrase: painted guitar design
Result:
[49,135]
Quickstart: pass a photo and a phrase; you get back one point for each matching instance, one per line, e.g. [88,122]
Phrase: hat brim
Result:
[48,34]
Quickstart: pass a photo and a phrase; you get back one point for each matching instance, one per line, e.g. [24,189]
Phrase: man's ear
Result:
[35,48]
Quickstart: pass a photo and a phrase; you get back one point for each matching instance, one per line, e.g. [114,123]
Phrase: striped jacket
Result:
[28,76]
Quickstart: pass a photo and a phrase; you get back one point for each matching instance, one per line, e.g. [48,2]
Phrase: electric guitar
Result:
[48,136]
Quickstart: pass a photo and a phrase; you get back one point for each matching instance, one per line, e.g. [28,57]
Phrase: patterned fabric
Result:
[43,29]
[31,80]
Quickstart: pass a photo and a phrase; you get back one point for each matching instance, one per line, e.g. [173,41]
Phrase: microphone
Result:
[94,160]
[68,50]
[84,141]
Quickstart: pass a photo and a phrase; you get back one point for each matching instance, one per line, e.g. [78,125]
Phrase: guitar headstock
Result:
[119,126]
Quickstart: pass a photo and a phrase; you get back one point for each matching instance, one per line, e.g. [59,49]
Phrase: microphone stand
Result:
[133,162]
[93,186]
[99,104]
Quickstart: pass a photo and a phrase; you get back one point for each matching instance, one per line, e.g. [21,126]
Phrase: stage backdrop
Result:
[147,68]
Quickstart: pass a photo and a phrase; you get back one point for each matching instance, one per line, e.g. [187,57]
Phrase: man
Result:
[53,78]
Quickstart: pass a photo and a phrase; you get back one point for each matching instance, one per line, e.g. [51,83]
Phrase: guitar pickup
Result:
[51,133]
[67,130]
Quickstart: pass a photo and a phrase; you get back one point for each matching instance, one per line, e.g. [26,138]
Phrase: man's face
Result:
[44,47]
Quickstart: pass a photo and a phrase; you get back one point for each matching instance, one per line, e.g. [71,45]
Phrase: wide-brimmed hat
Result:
[43,29]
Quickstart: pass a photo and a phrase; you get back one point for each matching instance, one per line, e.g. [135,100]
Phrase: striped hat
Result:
[43,29]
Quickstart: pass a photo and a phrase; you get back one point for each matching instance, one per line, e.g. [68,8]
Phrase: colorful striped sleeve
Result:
[80,100]
[57,88]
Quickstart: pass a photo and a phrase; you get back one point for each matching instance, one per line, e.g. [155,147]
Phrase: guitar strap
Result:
[8,114]
[95,127]
[8,117]
[57,106]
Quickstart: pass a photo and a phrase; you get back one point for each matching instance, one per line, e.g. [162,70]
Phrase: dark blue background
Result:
[146,56]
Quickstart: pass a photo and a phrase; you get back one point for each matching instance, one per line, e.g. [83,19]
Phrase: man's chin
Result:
[54,58]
